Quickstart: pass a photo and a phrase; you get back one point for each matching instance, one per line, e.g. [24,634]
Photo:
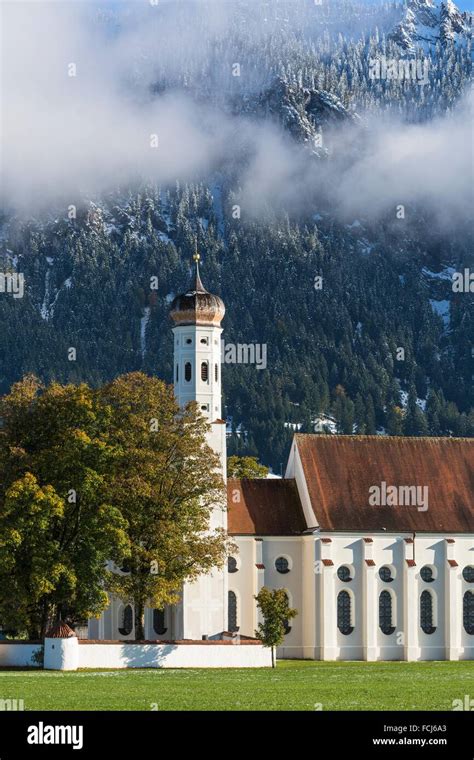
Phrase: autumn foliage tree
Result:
[165,482]
[91,480]
[57,526]
[245,467]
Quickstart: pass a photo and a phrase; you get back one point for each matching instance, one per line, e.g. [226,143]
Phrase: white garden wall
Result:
[205,655]
[18,654]
[72,653]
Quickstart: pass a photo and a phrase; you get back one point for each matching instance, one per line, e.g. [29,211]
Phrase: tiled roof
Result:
[340,470]
[60,630]
[264,507]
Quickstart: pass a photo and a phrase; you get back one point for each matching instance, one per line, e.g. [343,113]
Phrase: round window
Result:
[232,565]
[468,574]
[282,565]
[344,573]
[385,574]
[426,573]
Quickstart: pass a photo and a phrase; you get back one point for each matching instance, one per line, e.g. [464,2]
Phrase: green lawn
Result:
[294,685]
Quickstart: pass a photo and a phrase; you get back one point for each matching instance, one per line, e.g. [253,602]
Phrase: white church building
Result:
[371,536]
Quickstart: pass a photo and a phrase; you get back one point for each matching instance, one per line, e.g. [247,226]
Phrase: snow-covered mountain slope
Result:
[425,23]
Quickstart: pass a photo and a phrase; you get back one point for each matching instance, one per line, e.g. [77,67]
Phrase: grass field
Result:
[293,685]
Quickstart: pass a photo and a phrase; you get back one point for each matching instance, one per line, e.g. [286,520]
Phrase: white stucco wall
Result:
[18,654]
[313,586]
[128,655]
[61,654]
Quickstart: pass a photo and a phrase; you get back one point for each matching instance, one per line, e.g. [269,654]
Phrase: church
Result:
[372,537]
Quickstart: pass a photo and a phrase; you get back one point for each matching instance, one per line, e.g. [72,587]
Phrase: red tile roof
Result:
[452,563]
[60,630]
[340,470]
[410,562]
[327,562]
[370,563]
[264,507]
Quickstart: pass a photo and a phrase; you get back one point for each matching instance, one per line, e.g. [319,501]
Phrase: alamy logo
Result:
[463,704]
[410,69]
[244,353]
[42,734]
[463,282]
[399,496]
[12,282]
[11,704]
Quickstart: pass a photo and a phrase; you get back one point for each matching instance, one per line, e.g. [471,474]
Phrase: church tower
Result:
[197,317]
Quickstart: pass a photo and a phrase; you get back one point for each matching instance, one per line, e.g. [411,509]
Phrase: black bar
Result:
[138,734]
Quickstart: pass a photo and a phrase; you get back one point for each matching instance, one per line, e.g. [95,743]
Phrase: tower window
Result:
[385,613]
[187,372]
[204,372]
[232,612]
[204,341]
[126,622]
[189,341]
[468,612]
[344,613]
[159,622]
[232,565]
[216,372]
[177,373]
[426,612]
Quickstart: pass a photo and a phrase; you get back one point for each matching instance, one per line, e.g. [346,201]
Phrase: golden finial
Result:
[196,257]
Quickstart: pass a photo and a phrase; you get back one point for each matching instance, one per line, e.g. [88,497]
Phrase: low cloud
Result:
[65,135]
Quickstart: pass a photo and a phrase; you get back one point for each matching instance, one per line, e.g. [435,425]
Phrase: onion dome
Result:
[197,306]
[60,630]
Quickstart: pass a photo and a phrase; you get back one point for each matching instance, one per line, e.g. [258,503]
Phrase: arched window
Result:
[232,565]
[385,613]
[426,573]
[426,612]
[126,623]
[177,373]
[204,372]
[187,372]
[232,612]
[344,613]
[344,573]
[468,573]
[159,622]
[282,565]
[216,372]
[385,574]
[468,612]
